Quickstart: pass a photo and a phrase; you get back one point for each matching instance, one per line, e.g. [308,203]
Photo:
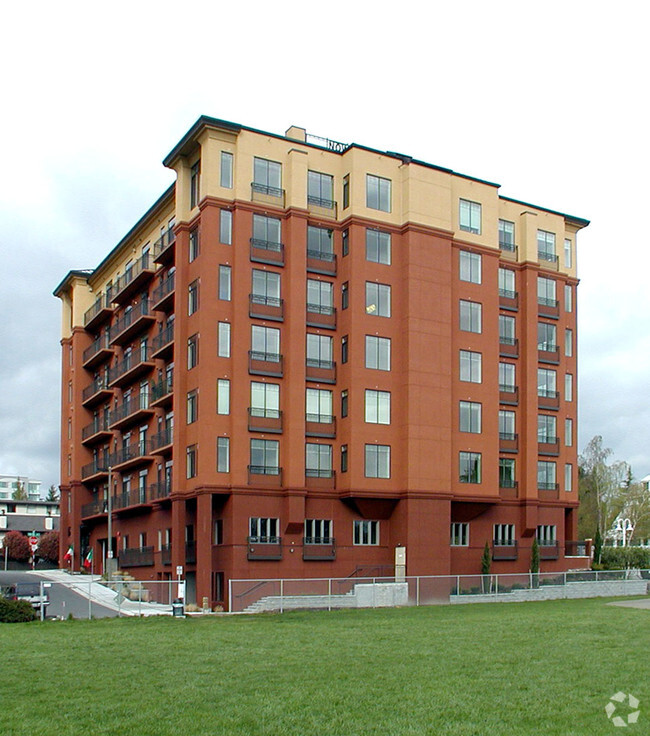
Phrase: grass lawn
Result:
[474,670]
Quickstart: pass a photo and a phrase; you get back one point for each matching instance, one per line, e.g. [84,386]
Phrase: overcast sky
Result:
[548,99]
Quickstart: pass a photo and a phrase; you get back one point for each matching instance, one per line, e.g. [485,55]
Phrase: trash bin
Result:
[178,609]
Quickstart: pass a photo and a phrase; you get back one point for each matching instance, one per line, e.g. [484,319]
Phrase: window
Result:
[344,403]
[366,532]
[506,425]
[265,457]
[192,406]
[545,475]
[546,337]
[344,458]
[568,432]
[320,296]
[319,351]
[568,342]
[345,242]
[263,530]
[470,417]
[193,297]
[470,316]
[267,230]
[218,539]
[568,387]
[265,288]
[377,299]
[320,243]
[377,461]
[225,227]
[507,283]
[346,191]
[192,351]
[507,330]
[318,405]
[191,461]
[470,267]
[470,467]
[546,429]
[265,343]
[377,407]
[345,295]
[471,366]
[378,353]
[506,235]
[318,531]
[568,298]
[265,400]
[546,535]
[546,246]
[568,260]
[470,216]
[344,349]
[507,473]
[377,193]
[546,383]
[194,184]
[459,534]
[223,339]
[226,170]
[568,477]
[223,454]
[223,396]
[193,250]
[504,535]
[378,246]
[318,460]
[225,287]
[267,177]
[320,189]
[546,292]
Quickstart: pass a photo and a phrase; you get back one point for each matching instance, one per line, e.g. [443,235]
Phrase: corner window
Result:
[568,254]
[191,461]
[378,193]
[193,249]
[223,339]
[470,216]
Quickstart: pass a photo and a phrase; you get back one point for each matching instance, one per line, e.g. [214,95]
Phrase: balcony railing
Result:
[577,548]
[134,497]
[266,251]
[261,419]
[162,390]
[319,261]
[131,322]
[264,548]
[267,194]
[163,247]
[320,370]
[502,550]
[320,315]
[161,441]
[265,364]
[543,255]
[130,367]
[136,557]
[548,307]
[97,429]
[101,310]
[547,399]
[508,488]
[131,455]
[267,475]
[163,342]
[508,346]
[159,490]
[320,425]
[94,508]
[549,549]
[508,394]
[319,473]
[319,548]
[548,353]
[166,554]
[547,445]
[97,391]
[508,246]
[508,441]
[162,296]
[99,351]
[266,307]
[96,469]
[134,278]
[132,409]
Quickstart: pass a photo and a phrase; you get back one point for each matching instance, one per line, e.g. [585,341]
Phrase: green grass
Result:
[475,670]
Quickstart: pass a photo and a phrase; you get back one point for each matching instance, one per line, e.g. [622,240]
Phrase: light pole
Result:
[623,526]
[109,511]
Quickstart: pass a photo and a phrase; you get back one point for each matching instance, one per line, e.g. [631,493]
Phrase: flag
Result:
[68,555]
[89,559]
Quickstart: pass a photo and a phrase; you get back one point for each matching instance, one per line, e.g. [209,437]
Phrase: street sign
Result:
[33,543]
[179,571]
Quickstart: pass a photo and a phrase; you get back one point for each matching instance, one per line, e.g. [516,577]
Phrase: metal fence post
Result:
[140,600]
[281,595]
[417,590]
[496,587]
[329,594]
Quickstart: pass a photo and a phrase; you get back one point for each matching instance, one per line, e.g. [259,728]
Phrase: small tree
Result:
[534,557]
[17,546]
[486,562]
[598,547]
[48,546]
[52,494]
[20,494]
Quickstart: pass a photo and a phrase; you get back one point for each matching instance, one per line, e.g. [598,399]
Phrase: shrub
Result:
[620,558]
[17,546]
[15,612]
[48,546]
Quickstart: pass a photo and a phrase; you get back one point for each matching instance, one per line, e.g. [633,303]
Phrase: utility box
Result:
[400,564]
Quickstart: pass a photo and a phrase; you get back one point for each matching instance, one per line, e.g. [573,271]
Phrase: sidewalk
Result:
[90,586]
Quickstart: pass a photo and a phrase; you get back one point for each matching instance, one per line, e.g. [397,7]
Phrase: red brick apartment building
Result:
[307,354]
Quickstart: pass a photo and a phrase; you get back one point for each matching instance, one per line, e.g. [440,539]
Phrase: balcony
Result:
[136,557]
[321,207]
[320,425]
[190,552]
[97,392]
[548,260]
[577,548]
[264,475]
[508,395]
[321,316]
[130,499]
[547,353]
[132,322]
[547,399]
[503,551]
[548,307]
[162,344]
[163,248]
[508,347]
[548,491]
[267,194]
[548,549]
[94,508]
[162,298]
[134,279]
[100,311]
[509,250]
[508,300]
[97,430]
[321,262]
[265,364]
[162,442]
[266,307]
[266,251]
[160,490]
[508,442]
[548,445]
[131,367]
[133,409]
[323,371]
[162,392]
[128,457]
[166,554]
[318,548]
[264,548]
[320,478]
[264,420]
[508,488]
[95,471]
[98,352]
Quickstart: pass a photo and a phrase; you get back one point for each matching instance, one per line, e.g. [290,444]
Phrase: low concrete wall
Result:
[592,589]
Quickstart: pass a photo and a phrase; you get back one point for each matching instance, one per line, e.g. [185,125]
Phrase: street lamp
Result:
[622,527]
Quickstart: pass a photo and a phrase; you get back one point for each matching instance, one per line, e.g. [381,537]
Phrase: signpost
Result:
[33,545]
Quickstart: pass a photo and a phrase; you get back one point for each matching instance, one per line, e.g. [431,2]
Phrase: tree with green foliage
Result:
[20,494]
[52,494]
[17,546]
[48,546]
[598,546]
[534,557]
[486,562]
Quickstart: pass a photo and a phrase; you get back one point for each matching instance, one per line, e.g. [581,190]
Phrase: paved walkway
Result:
[640,603]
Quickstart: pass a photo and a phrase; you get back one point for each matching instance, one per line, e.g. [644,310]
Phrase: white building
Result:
[9,485]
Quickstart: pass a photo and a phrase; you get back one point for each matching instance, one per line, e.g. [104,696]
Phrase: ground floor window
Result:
[366,532]
[263,530]
[459,534]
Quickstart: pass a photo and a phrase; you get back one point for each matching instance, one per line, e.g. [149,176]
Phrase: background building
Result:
[307,354]
[9,484]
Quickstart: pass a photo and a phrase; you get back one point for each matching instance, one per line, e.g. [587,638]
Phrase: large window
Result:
[507,330]
[320,189]
[506,235]
[470,216]
[223,396]
[320,243]
[319,351]
[192,406]
[377,299]
[546,383]
[318,460]
[318,405]
[568,298]
[193,246]
[223,340]
[191,461]
[459,534]
[506,425]
[378,353]
[267,177]
[318,531]
[546,246]
[226,170]
[546,429]
[568,387]
[265,400]
[507,379]
[546,292]
[568,343]
[225,283]
[377,407]
[546,535]
[470,417]
[470,316]
[507,472]
[265,287]
[225,227]
[265,457]
[223,454]
[470,467]
[546,337]
[192,351]
[377,461]
[378,193]
[568,477]
[568,432]
[263,530]
[378,246]
[193,297]
[546,480]
[568,255]
[507,283]
[470,267]
[504,535]
[265,343]
[470,366]
[366,532]
[320,296]
[267,230]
